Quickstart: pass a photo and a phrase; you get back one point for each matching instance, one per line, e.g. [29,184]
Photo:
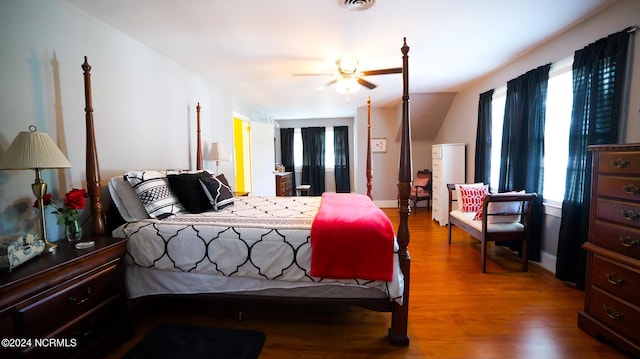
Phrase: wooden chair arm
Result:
[425,187]
[526,199]
[510,197]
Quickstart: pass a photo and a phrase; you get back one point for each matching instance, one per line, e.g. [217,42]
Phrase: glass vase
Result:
[74,231]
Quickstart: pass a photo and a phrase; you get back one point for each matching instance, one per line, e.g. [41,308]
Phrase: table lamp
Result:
[35,150]
[218,153]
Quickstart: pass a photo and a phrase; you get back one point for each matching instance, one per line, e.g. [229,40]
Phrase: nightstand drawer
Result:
[81,330]
[40,316]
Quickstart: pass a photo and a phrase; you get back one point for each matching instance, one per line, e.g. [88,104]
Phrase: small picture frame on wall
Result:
[378,145]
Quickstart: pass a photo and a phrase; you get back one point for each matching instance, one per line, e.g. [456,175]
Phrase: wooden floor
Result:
[455,311]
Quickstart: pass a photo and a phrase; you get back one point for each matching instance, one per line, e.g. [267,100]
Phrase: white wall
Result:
[144,104]
[461,120]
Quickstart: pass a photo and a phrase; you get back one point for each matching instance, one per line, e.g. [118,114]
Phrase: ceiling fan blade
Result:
[397,70]
[367,84]
[327,84]
[312,74]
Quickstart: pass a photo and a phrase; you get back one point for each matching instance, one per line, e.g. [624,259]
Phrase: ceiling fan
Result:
[347,75]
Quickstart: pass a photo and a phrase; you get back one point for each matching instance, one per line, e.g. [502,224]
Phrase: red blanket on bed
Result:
[351,238]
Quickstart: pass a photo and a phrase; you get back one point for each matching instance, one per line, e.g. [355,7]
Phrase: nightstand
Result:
[72,302]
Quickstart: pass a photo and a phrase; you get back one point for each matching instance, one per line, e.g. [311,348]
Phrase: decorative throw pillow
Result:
[219,194]
[505,207]
[472,197]
[152,187]
[457,194]
[478,215]
[223,179]
[190,193]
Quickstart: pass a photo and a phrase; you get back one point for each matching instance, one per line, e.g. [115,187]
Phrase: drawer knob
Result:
[630,215]
[75,301]
[611,278]
[628,242]
[620,163]
[631,189]
[612,313]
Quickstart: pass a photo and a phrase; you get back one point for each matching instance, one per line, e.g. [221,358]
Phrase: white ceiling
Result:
[252,47]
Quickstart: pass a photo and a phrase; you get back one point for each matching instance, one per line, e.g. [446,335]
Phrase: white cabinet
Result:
[449,166]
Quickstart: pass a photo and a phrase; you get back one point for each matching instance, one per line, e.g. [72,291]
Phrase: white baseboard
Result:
[547,261]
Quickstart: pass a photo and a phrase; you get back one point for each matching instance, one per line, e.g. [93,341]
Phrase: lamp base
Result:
[50,247]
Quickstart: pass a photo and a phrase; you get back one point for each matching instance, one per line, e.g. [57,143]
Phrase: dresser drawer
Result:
[625,188]
[621,316]
[619,162]
[625,213]
[617,280]
[436,152]
[40,316]
[436,163]
[621,239]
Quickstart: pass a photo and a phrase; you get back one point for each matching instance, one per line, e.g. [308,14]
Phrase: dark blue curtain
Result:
[598,79]
[341,155]
[313,159]
[286,151]
[522,156]
[482,172]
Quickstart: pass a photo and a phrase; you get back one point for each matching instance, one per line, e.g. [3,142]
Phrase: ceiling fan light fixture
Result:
[347,86]
[356,5]
[347,65]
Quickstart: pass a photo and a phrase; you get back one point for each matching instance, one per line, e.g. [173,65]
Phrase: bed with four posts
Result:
[257,248]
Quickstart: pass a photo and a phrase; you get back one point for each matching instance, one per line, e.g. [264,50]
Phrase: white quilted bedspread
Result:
[264,238]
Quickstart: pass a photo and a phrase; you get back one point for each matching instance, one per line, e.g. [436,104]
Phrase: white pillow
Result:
[504,207]
[126,200]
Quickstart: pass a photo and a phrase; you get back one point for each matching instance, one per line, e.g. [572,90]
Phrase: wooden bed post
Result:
[199,143]
[399,318]
[92,166]
[369,170]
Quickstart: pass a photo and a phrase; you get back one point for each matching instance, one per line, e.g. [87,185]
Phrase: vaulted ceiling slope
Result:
[252,47]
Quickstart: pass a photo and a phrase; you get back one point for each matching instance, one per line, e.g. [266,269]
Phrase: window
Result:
[497,118]
[329,159]
[556,133]
[556,130]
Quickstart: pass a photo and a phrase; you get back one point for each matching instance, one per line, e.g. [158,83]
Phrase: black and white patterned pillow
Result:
[155,193]
[187,188]
[219,194]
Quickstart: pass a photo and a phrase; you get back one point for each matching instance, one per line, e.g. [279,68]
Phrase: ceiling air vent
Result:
[356,5]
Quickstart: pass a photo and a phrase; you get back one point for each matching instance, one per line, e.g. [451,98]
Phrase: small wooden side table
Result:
[72,297]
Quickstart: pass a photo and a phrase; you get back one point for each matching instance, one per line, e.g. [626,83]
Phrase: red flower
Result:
[76,199]
[46,200]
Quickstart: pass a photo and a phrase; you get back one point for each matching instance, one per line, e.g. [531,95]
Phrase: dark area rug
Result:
[188,341]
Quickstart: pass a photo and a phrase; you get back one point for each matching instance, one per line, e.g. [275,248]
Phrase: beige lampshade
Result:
[218,152]
[32,149]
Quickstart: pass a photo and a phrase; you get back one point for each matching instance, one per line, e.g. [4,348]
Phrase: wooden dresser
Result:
[70,303]
[449,166]
[284,184]
[612,289]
